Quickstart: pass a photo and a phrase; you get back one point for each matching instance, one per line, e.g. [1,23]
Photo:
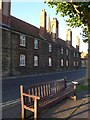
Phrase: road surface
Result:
[11,86]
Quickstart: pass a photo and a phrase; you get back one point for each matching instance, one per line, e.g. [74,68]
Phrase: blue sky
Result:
[30,12]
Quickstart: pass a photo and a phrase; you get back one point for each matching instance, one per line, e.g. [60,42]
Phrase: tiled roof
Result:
[24,27]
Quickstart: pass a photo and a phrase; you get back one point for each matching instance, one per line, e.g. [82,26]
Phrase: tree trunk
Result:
[88,63]
[88,59]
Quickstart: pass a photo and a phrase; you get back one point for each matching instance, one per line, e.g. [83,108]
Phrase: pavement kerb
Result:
[4,78]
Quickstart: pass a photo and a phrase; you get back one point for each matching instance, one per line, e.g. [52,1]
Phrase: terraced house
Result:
[27,49]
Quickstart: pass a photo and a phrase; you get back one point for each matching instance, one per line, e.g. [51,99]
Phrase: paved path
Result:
[69,109]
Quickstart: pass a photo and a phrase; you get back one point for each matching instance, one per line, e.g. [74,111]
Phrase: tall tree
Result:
[78,15]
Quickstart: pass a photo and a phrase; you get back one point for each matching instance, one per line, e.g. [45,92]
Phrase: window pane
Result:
[35,44]
[50,61]
[61,62]
[61,50]
[66,51]
[50,47]
[35,60]
[22,60]
[74,63]
[66,62]
[74,54]
[77,64]
[22,40]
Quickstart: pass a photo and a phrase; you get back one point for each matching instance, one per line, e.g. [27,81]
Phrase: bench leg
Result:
[35,109]
[23,112]
[74,97]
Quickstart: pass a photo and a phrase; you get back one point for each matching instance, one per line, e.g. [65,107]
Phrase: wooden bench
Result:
[39,97]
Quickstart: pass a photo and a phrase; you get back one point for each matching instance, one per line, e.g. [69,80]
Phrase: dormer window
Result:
[22,40]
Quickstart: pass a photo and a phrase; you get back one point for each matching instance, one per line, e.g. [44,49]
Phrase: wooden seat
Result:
[39,97]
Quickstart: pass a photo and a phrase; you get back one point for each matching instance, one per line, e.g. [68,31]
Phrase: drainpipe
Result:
[10,73]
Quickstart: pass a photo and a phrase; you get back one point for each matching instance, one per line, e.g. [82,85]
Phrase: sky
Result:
[30,13]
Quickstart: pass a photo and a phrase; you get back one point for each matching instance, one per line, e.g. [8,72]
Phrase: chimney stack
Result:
[5,11]
[43,16]
[77,43]
[69,37]
[55,29]
[49,25]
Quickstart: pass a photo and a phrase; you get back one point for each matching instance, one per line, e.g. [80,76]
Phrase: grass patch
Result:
[83,87]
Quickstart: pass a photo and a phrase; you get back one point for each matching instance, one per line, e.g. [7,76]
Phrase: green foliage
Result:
[83,87]
[77,13]
[85,34]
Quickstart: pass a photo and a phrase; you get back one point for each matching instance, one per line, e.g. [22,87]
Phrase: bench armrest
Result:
[75,83]
[31,96]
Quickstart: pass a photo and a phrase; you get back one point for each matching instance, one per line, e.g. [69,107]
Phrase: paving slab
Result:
[69,109]
[11,111]
[62,110]
[83,111]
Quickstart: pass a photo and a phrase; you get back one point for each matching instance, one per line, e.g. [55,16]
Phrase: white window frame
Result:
[50,47]
[74,54]
[77,63]
[67,52]
[36,43]
[50,61]
[22,40]
[35,60]
[77,55]
[61,50]
[22,60]
[67,63]
[62,62]
[74,63]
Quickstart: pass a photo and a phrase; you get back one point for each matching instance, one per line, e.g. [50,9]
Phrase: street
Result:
[10,86]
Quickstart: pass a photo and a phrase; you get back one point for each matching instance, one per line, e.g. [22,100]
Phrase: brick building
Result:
[27,49]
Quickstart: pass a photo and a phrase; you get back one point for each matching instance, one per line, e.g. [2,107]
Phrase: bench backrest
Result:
[45,90]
